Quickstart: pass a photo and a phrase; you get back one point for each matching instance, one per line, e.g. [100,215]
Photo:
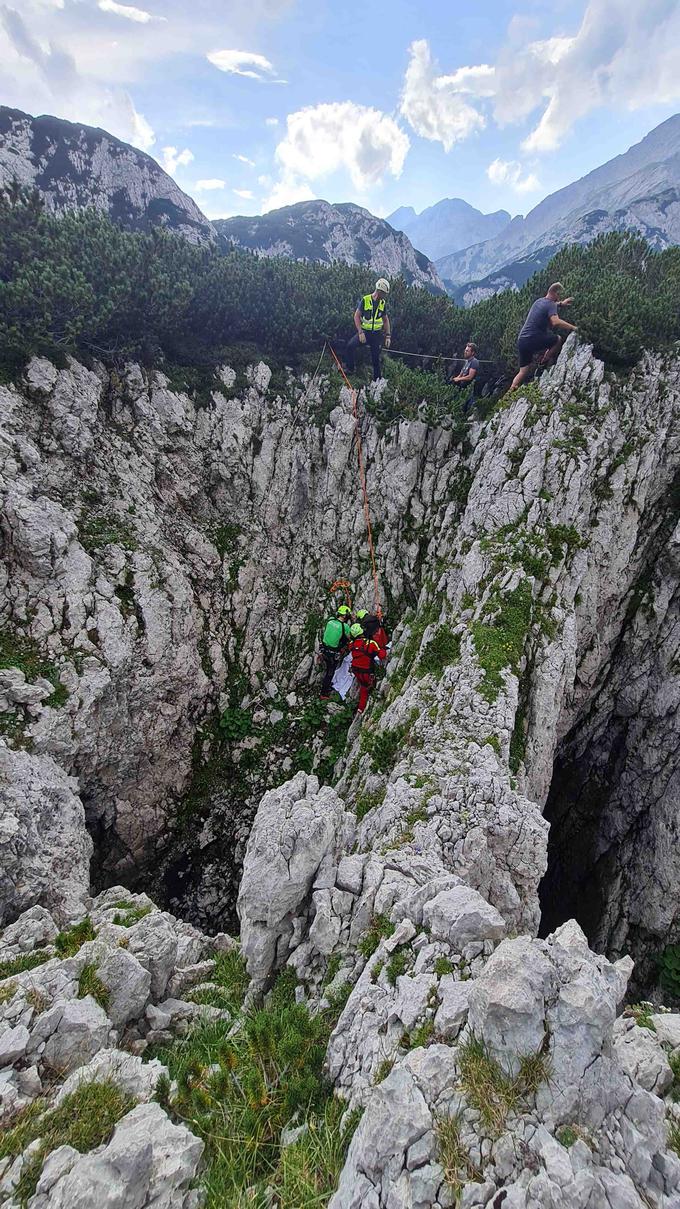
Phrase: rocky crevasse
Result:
[535,577]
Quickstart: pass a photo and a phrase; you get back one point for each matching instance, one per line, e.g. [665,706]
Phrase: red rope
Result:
[362,476]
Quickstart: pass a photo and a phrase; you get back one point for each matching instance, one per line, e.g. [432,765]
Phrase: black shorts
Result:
[528,346]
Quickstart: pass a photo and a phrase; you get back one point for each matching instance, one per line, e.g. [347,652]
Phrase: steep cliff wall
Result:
[166,560]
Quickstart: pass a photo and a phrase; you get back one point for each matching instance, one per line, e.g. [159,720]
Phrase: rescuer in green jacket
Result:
[373,324]
[334,645]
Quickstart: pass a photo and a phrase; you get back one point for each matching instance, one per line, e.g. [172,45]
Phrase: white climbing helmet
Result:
[383,284]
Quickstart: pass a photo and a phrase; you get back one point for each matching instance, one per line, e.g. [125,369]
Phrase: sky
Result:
[261,103]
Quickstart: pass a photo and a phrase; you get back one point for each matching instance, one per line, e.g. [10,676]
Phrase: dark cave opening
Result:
[584,869]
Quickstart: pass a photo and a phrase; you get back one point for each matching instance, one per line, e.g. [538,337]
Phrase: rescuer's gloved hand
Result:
[362,337]
[388,341]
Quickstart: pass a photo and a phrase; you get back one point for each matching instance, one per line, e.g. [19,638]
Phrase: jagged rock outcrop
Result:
[76,167]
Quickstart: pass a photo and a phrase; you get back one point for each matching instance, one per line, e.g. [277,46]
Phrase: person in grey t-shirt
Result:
[539,334]
[467,374]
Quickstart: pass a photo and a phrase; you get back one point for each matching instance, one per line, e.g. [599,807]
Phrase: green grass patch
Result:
[85,1119]
[8,992]
[367,801]
[668,964]
[499,642]
[238,1092]
[26,961]
[492,1091]
[455,1161]
[379,928]
[440,652]
[72,939]
[18,650]
[231,983]
[443,966]
[97,531]
[131,916]
[419,1036]
[398,964]
[90,983]
[385,1068]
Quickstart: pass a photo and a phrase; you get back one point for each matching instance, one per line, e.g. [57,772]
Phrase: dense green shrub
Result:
[79,283]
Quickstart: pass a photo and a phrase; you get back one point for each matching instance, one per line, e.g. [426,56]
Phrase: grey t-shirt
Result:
[537,322]
[471,363]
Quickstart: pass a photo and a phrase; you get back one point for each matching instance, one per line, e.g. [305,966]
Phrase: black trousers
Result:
[374,341]
[331,660]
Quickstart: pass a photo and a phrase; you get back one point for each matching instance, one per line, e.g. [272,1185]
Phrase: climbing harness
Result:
[362,477]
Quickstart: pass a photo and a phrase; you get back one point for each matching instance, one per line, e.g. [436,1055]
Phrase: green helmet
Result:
[344,611]
[361,613]
[356,630]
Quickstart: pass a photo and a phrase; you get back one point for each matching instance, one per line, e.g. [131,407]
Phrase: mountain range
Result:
[470,254]
[74,166]
[638,191]
[447,226]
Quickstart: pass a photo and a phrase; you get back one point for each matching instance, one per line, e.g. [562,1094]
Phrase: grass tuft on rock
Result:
[85,1119]
[229,983]
[25,961]
[72,939]
[440,652]
[131,916]
[455,1161]
[493,1092]
[238,1088]
[90,983]
[379,928]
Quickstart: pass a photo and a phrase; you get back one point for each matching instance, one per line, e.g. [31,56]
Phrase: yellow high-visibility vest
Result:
[372,313]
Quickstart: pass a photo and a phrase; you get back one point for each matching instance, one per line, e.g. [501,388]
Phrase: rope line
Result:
[435,356]
[362,476]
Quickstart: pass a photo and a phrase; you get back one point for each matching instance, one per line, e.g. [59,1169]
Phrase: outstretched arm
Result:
[562,324]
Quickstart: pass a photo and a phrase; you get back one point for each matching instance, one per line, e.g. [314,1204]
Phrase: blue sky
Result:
[253,105]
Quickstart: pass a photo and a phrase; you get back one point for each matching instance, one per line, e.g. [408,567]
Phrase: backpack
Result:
[334,633]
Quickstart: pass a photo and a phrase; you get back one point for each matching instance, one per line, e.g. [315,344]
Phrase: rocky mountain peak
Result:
[73,167]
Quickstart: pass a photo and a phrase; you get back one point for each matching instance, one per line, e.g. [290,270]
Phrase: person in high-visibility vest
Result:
[373,327]
[334,644]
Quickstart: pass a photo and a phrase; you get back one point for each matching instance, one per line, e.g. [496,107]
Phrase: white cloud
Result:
[244,63]
[509,172]
[324,139]
[438,107]
[243,159]
[271,121]
[287,193]
[246,194]
[127,10]
[173,159]
[41,77]
[624,55]
[210,184]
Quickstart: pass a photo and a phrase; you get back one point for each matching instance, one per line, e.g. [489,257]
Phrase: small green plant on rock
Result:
[367,801]
[443,966]
[26,961]
[379,928]
[84,1120]
[494,1092]
[130,917]
[72,939]
[455,1161]
[440,652]
[90,983]
[397,965]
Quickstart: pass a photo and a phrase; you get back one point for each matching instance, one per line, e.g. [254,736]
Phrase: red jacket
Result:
[364,651]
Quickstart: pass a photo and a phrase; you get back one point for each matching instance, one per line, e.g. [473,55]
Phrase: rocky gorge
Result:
[167,553]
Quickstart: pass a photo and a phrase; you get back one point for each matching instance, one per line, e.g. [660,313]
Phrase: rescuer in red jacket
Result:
[364,652]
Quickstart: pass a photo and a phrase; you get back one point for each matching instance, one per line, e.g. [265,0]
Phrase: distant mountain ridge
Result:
[637,191]
[75,166]
[447,226]
[321,232]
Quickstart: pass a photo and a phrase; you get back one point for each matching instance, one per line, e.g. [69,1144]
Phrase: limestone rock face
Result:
[44,847]
[294,845]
